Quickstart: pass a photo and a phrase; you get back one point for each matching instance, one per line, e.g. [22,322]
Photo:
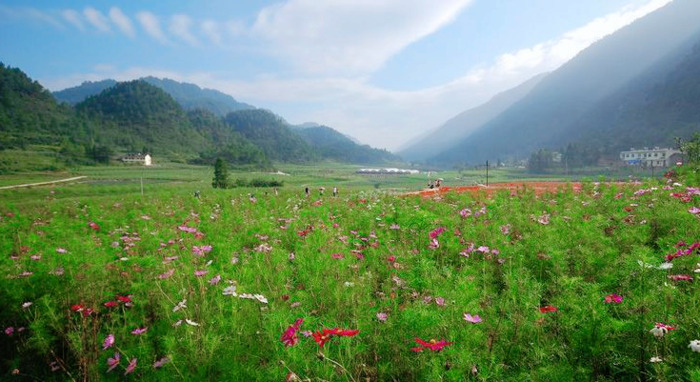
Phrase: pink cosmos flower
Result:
[9,330]
[113,362]
[201,272]
[185,228]
[391,258]
[694,210]
[337,256]
[61,250]
[505,229]
[434,244]
[395,226]
[440,301]
[465,213]
[161,362]
[166,275]
[475,319]
[613,298]
[139,331]
[382,317]
[215,280]
[544,219]
[109,341]
[131,367]
[680,277]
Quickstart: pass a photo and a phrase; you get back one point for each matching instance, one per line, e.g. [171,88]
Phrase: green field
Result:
[568,286]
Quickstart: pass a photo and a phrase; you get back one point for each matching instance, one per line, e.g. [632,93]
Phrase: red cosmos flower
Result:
[94,226]
[436,232]
[126,298]
[680,277]
[432,345]
[613,298]
[77,307]
[87,312]
[111,304]
[548,308]
[391,258]
[322,336]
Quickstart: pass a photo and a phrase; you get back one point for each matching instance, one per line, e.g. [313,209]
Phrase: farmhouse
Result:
[657,157]
[144,159]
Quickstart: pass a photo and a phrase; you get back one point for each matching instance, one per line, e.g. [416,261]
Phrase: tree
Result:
[690,148]
[220,174]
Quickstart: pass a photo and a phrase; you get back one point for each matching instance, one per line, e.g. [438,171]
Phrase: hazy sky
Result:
[380,70]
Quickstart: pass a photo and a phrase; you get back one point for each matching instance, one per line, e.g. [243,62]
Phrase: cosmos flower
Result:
[660,329]
[322,336]
[337,256]
[130,368]
[436,232]
[433,345]
[382,317]
[109,341]
[215,280]
[94,226]
[289,336]
[475,319]
[680,277]
[180,305]
[166,275]
[694,210]
[613,298]
[139,331]
[655,359]
[695,346]
[548,309]
[200,273]
[113,362]
[161,362]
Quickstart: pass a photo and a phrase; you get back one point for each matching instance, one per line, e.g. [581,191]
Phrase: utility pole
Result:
[487,173]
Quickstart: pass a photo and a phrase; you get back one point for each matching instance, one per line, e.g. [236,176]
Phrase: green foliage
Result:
[331,144]
[690,148]
[220,174]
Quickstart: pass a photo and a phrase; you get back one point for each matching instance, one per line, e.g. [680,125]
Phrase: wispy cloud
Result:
[31,14]
[180,27]
[97,19]
[151,25]
[122,21]
[73,17]
[212,30]
[341,36]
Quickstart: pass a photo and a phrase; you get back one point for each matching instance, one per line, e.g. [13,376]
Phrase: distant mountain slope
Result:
[28,112]
[272,134]
[331,144]
[79,93]
[189,96]
[546,116]
[137,116]
[465,123]
[652,110]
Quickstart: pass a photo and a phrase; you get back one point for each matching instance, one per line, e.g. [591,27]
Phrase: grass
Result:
[339,263]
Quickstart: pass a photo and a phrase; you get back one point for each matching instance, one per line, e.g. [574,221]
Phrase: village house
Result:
[656,157]
[144,159]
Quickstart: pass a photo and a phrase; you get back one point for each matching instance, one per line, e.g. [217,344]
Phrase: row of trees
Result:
[221,179]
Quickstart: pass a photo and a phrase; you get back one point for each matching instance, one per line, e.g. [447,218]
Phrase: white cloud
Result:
[73,17]
[97,19]
[151,25]
[349,36]
[122,21]
[212,30]
[180,27]
[27,13]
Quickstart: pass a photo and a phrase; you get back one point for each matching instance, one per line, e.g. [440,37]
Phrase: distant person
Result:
[335,191]
[430,184]
[196,194]
[276,193]
[306,190]
[321,190]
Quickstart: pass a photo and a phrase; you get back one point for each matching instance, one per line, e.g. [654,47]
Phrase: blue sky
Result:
[382,71]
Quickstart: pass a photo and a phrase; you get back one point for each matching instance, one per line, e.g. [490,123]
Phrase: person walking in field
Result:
[335,191]
[307,191]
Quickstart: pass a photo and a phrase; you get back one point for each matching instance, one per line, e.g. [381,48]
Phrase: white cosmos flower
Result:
[656,360]
[695,345]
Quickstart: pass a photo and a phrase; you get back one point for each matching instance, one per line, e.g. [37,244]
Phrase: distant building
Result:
[144,159]
[386,171]
[657,157]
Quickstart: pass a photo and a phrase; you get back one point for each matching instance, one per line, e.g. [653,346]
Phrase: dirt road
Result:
[42,183]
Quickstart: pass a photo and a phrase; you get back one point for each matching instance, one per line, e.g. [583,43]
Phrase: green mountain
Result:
[330,144]
[28,113]
[272,134]
[555,111]
[189,96]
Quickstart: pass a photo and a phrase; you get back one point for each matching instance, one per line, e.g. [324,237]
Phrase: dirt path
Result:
[43,183]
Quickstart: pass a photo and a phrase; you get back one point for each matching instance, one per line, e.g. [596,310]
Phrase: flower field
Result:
[596,283]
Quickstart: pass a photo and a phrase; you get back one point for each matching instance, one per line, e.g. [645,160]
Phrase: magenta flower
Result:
[436,232]
[139,331]
[9,330]
[465,213]
[613,298]
[289,336]
[680,277]
[131,367]
[109,341]
[475,319]
[434,244]
[337,256]
[113,362]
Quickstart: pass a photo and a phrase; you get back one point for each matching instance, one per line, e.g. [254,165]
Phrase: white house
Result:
[139,158]
[657,157]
